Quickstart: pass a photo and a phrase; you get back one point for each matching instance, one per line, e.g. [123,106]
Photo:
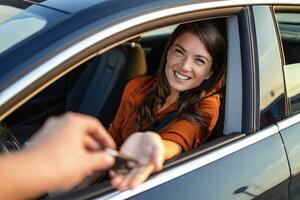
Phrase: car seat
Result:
[98,90]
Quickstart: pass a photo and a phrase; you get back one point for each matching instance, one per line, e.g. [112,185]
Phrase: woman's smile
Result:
[188,63]
[180,76]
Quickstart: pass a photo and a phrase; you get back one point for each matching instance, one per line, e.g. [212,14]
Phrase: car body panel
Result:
[289,130]
[75,6]
[246,176]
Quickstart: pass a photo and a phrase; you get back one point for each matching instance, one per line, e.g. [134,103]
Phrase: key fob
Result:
[123,164]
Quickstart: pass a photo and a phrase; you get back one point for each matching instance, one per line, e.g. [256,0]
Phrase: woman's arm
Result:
[125,109]
[171,149]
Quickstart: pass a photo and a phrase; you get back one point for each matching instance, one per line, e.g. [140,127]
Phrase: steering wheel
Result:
[8,142]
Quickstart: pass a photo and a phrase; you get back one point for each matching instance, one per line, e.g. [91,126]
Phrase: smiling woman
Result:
[190,74]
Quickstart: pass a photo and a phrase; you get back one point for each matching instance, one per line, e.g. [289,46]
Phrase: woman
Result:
[191,71]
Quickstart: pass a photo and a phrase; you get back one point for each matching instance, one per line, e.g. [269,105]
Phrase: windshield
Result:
[16,25]
[23,29]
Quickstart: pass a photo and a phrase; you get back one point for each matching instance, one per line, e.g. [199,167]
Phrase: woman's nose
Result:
[186,65]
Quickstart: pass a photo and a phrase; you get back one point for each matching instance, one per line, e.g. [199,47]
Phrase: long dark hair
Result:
[188,100]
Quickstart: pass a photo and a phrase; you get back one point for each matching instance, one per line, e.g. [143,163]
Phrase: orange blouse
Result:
[181,131]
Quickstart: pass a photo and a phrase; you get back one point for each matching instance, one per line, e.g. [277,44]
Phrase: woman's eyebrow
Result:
[196,56]
[179,46]
[202,56]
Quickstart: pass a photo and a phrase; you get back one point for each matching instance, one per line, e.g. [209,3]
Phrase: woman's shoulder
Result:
[137,84]
[138,81]
[212,102]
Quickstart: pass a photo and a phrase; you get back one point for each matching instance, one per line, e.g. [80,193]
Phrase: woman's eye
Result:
[200,61]
[178,51]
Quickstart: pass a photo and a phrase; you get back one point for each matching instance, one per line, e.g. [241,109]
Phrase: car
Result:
[72,55]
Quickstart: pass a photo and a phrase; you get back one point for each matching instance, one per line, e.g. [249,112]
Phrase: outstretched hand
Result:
[69,149]
[148,149]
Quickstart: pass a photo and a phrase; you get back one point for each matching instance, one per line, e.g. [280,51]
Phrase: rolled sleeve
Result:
[182,132]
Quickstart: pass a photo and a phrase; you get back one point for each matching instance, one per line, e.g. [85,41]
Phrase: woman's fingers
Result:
[142,174]
[127,179]
[117,181]
[132,179]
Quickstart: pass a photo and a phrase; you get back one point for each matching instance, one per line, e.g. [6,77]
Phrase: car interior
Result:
[95,87]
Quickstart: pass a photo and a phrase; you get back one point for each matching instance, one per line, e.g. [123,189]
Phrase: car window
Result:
[292,81]
[289,29]
[271,88]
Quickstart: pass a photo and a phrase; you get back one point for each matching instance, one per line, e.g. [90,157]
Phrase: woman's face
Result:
[188,63]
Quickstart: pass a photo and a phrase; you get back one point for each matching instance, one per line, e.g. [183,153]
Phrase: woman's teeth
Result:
[182,77]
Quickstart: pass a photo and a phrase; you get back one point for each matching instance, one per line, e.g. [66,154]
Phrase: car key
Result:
[123,164]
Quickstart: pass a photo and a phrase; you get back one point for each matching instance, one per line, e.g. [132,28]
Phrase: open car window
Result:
[95,88]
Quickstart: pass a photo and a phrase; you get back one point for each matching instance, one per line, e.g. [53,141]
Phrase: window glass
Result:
[23,29]
[271,84]
[292,81]
[289,27]
[12,19]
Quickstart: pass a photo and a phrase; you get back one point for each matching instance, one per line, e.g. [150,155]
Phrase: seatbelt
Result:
[170,116]
[162,122]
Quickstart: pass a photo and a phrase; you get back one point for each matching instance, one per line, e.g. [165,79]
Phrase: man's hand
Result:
[69,148]
[147,148]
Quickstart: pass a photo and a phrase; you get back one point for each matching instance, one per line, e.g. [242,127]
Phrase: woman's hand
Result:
[148,149]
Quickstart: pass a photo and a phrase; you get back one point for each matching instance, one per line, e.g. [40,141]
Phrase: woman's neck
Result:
[173,96]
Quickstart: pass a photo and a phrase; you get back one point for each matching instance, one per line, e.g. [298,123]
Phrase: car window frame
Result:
[232,135]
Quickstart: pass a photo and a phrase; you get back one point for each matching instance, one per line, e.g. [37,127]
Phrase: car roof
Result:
[75,6]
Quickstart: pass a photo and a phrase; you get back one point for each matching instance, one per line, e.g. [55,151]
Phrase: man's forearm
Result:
[23,175]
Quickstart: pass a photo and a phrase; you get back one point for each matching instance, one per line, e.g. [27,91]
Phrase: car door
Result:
[252,165]
[289,30]
[249,161]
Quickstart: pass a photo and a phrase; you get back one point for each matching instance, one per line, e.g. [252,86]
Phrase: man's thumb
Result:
[101,161]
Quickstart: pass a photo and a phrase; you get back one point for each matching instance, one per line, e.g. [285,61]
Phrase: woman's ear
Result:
[208,75]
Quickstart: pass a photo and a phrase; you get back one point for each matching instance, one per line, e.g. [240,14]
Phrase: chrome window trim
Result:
[194,164]
[288,122]
[55,61]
